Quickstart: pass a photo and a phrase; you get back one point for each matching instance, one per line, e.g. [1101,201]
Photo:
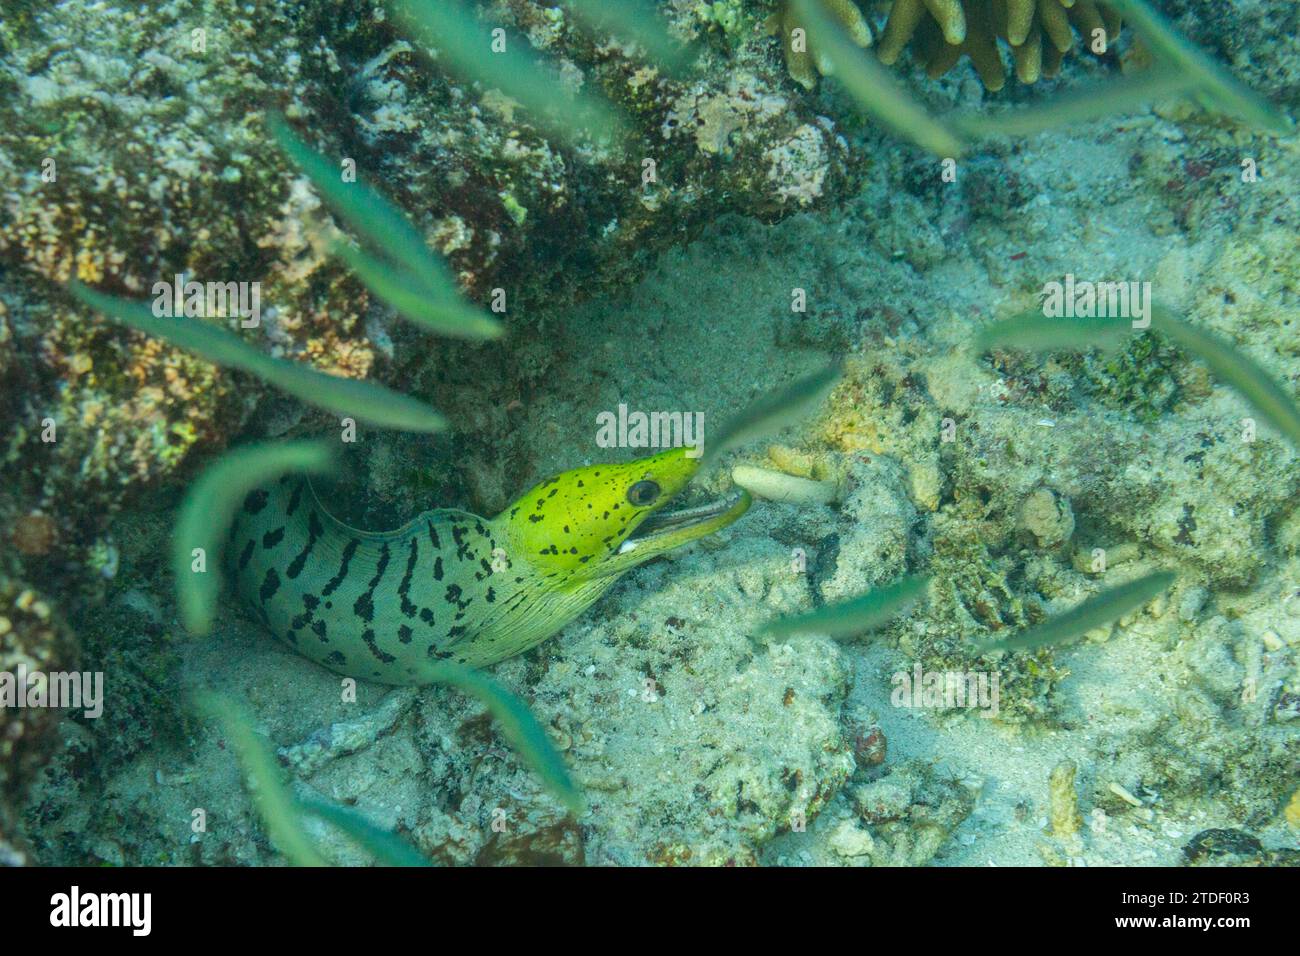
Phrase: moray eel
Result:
[449,585]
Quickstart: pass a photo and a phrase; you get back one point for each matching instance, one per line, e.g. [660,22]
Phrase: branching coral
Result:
[1039,32]
[802,59]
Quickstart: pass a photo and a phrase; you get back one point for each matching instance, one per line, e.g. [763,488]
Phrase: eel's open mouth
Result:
[678,523]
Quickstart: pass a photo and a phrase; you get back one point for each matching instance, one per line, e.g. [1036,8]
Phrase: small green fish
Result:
[768,414]
[1097,610]
[1223,91]
[366,401]
[449,585]
[405,273]
[1266,395]
[1032,331]
[467,48]
[635,20]
[857,615]
[1109,98]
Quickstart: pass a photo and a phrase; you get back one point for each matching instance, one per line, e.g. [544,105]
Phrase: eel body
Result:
[450,585]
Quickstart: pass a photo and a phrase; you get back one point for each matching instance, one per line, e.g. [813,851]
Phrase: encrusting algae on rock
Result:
[34,643]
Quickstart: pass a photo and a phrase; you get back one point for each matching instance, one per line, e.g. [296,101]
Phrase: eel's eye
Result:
[643,493]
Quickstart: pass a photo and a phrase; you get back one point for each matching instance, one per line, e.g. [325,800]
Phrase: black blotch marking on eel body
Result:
[255,501]
[295,498]
[364,607]
[369,638]
[333,583]
[453,597]
[437,569]
[247,554]
[318,628]
[426,615]
[270,584]
[309,604]
[433,536]
[314,531]
[491,595]
[336,658]
[462,549]
[272,538]
[404,634]
[404,588]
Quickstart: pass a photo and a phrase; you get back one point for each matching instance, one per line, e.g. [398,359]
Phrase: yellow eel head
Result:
[604,519]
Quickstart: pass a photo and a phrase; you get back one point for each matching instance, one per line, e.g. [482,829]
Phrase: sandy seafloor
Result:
[1188,706]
